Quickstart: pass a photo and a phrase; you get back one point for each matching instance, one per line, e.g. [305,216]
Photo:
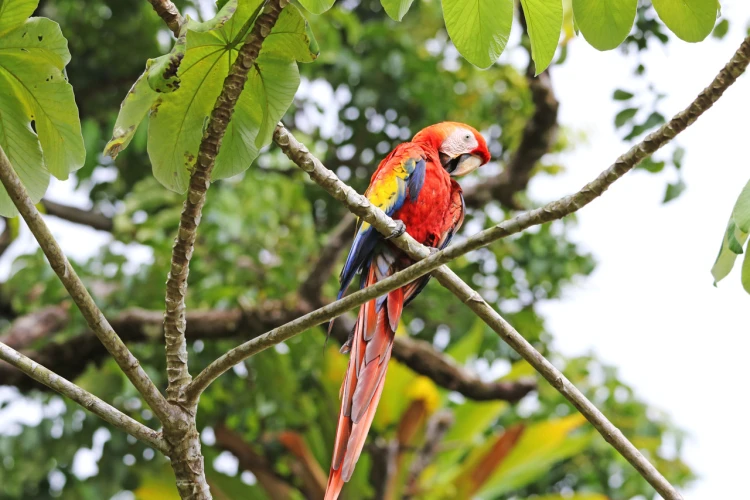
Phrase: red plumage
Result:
[412,185]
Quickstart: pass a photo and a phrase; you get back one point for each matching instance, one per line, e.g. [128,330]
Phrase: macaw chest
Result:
[425,217]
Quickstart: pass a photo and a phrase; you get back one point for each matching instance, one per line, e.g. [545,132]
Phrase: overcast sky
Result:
[650,307]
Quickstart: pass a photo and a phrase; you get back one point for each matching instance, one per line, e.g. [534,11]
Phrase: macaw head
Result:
[461,148]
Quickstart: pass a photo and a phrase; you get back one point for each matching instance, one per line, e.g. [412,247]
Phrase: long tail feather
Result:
[371,347]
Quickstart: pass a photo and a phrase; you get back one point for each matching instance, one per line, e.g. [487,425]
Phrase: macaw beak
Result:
[460,165]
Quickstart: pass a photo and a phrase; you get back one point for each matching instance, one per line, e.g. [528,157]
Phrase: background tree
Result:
[268,249]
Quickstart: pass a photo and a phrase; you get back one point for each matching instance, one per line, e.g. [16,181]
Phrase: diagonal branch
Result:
[73,284]
[71,357]
[174,317]
[360,206]
[91,218]
[423,359]
[90,402]
[34,326]
[169,13]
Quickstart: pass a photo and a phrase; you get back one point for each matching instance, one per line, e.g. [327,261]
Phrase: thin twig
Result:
[169,13]
[70,357]
[84,398]
[94,317]
[174,317]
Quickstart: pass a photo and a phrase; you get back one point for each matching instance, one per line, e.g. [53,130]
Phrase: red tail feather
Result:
[365,377]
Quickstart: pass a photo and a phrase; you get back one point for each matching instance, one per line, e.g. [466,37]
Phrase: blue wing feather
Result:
[367,238]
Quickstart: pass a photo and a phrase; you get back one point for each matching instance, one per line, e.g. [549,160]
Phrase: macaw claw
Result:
[400,229]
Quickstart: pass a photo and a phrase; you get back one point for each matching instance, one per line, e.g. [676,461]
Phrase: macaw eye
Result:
[467,137]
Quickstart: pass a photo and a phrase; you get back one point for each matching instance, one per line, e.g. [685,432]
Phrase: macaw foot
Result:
[400,229]
[433,250]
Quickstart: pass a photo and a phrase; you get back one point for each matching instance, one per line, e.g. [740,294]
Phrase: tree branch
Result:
[36,325]
[169,13]
[254,462]
[174,316]
[91,218]
[423,359]
[90,402]
[5,237]
[75,287]
[437,427]
[71,357]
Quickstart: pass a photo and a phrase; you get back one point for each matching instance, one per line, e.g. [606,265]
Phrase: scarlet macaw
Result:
[413,185]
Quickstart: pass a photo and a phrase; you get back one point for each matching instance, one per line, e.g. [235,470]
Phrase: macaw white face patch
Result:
[461,141]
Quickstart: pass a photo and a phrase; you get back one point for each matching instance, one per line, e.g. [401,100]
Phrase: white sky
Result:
[650,307]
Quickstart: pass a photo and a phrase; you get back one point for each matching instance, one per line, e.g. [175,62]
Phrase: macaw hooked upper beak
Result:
[460,165]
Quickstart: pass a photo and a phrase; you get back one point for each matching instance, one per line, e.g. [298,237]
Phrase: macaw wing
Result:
[399,177]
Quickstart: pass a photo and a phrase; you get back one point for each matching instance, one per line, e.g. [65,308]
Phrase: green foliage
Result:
[691,20]
[40,130]
[479,28]
[544,19]
[183,87]
[606,23]
[317,6]
[397,9]
[734,238]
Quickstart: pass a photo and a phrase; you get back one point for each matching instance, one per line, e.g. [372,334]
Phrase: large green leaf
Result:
[269,91]
[741,210]
[396,9]
[479,28]
[544,19]
[133,110]
[15,12]
[33,57]
[317,6]
[746,270]
[731,247]
[190,79]
[540,446]
[691,20]
[734,239]
[604,23]
[22,148]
